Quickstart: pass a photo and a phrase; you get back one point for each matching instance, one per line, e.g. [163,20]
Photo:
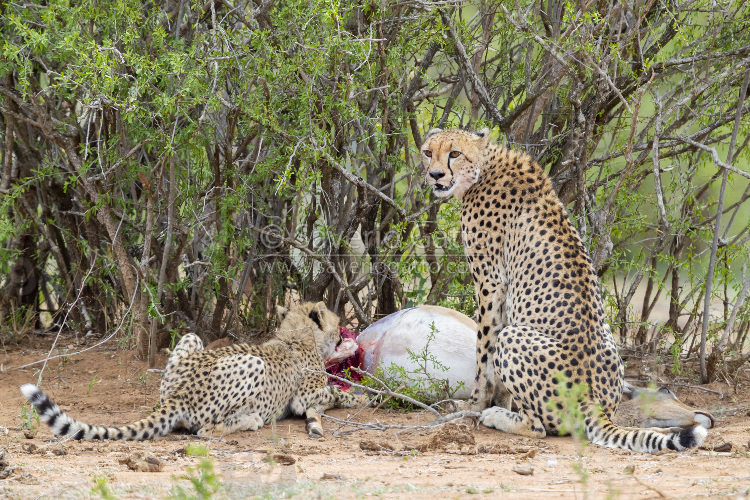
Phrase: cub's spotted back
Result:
[239,387]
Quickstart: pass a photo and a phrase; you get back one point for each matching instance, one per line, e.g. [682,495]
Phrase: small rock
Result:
[281,458]
[630,469]
[724,447]
[140,461]
[524,470]
[529,454]
[29,433]
[333,477]
[373,446]
[59,452]
[717,443]
[29,447]
[5,468]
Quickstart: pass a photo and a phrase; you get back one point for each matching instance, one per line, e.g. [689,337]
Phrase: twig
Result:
[62,325]
[359,181]
[152,346]
[132,301]
[714,154]
[609,81]
[662,495]
[721,394]
[328,265]
[387,391]
[377,426]
[717,228]
[479,88]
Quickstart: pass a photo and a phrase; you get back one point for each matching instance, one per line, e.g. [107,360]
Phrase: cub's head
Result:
[452,160]
[315,318]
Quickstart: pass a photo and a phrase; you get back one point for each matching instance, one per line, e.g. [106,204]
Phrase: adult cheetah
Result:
[239,387]
[540,314]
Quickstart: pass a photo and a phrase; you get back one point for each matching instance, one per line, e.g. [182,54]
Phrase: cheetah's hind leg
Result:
[243,421]
[514,346]
[240,421]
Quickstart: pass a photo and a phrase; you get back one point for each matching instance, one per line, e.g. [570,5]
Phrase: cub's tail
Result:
[159,423]
[600,430]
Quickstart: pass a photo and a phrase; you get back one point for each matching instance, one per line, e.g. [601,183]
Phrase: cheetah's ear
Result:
[281,313]
[484,136]
[433,132]
[315,317]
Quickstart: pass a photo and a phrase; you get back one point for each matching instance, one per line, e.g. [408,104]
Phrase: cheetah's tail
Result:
[600,430]
[159,423]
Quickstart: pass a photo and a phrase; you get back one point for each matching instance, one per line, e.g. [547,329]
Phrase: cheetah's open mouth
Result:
[441,188]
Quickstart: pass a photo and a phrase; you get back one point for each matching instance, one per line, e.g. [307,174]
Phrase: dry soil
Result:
[110,386]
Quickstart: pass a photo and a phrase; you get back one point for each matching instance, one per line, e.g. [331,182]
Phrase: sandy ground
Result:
[109,386]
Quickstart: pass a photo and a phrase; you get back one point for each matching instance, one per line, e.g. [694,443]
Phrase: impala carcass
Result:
[450,338]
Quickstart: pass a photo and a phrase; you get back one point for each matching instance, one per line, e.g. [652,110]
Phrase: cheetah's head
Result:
[315,318]
[452,160]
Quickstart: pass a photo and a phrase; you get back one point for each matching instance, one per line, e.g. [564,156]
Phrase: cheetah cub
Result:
[540,314]
[239,387]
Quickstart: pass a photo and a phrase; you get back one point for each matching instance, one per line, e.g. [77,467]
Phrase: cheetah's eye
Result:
[455,154]
[427,153]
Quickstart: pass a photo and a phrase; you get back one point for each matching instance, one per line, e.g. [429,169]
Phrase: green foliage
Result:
[18,323]
[101,488]
[675,351]
[570,396]
[566,406]
[29,417]
[94,380]
[206,483]
[197,450]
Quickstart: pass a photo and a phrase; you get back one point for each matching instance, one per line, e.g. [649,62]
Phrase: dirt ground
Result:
[110,386]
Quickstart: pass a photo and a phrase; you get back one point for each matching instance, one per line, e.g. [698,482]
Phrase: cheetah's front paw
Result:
[495,417]
[251,422]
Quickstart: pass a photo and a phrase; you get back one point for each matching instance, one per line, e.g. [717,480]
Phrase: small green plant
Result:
[156,407]
[17,324]
[419,384]
[205,482]
[174,336]
[65,356]
[567,407]
[675,351]
[29,417]
[101,488]
[38,373]
[197,450]
[94,380]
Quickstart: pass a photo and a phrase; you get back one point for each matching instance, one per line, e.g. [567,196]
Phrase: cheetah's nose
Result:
[437,175]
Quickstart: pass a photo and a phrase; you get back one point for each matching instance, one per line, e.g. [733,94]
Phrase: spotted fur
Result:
[239,387]
[539,306]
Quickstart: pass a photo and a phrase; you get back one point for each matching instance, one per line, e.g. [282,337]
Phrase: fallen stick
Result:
[387,391]
[377,426]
